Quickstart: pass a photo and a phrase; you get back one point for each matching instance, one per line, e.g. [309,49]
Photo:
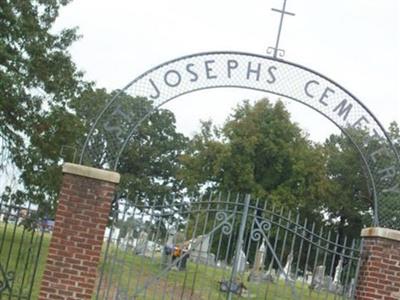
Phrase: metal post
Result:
[239,243]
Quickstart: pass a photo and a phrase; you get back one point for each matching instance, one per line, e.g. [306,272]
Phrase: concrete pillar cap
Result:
[380,232]
[84,171]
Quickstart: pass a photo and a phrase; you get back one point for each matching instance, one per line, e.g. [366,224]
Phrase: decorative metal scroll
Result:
[5,280]
[120,119]
[226,228]
[221,238]
[258,234]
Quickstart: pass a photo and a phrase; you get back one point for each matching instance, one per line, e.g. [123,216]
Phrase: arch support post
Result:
[84,205]
[379,274]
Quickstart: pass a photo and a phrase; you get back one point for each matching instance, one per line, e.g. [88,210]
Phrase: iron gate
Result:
[24,237]
[222,248]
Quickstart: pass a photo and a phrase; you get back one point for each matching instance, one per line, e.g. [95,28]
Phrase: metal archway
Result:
[119,120]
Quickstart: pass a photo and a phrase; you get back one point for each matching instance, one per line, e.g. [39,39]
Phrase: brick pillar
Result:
[379,276]
[83,208]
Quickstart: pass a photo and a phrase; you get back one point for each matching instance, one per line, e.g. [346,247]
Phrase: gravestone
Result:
[317,281]
[338,272]
[270,275]
[351,288]
[171,237]
[200,250]
[336,286]
[260,258]
[141,246]
[256,274]
[309,276]
[328,283]
[127,240]
[288,267]
[221,264]
[241,263]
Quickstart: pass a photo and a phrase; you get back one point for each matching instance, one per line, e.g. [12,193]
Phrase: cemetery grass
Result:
[133,271]
[129,273]
[19,250]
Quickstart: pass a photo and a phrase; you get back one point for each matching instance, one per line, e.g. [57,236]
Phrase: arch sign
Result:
[120,118]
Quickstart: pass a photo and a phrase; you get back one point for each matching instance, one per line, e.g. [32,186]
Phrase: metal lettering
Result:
[273,78]
[209,69]
[119,114]
[359,121]
[155,88]
[194,74]
[325,95]
[115,130]
[379,151]
[306,87]
[177,75]
[343,109]
[232,64]
[389,172]
[368,138]
[395,189]
[254,71]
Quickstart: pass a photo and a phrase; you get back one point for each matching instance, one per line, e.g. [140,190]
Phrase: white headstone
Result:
[241,262]
[338,272]
[171,238]
[351,288]
[309,277]
[141,246]
[259,259]
[200,247]
[201,243]
[318,277]
[288,267]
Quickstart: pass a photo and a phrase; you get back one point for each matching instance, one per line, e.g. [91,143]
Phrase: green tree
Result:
[36,74]
[37,81]
[45,106]
[151,159]
[389,206]
[349,203]
[394,133]
[259,150]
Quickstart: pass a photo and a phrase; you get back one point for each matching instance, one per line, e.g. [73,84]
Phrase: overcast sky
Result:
[354,42]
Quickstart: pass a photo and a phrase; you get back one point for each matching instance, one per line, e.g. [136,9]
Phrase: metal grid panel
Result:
[120,118]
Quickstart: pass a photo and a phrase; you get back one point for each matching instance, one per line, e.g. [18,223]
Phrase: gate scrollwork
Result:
[223,218]
[259,229]
[6,280]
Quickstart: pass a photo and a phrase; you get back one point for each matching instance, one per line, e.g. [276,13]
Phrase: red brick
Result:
[379,276]
[75,248]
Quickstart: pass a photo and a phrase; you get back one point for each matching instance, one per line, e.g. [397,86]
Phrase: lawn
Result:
[128,273]
[22,252]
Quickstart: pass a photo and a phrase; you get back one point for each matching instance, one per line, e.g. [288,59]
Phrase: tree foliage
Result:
[350,202]
[260,151]
[37,81]
[150,161]
[46,110]
[36,74]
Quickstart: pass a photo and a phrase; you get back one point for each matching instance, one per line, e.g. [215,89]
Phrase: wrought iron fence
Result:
[222,247]
[23,240]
